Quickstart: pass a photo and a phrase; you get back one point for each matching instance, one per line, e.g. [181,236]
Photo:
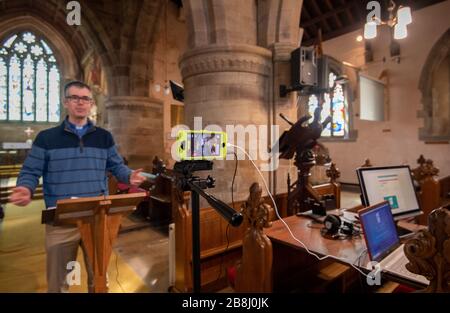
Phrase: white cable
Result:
[286,225]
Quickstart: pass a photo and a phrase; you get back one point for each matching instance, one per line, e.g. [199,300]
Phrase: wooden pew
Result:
[434,190]
[112,184]
[160,206]
[216,252]
[254,272]
[12,171]
[428,251]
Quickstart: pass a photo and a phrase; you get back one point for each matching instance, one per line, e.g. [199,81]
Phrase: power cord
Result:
[117,273]
[234,176]
[228,226]
[286,225]
[223,253]
[117,266]
[363,286]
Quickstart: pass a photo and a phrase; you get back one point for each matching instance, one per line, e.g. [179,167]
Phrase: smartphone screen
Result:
[203,145]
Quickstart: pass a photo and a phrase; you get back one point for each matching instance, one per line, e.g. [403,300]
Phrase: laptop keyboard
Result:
[398,266]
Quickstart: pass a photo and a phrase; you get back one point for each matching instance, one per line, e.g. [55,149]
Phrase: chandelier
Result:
[399,18]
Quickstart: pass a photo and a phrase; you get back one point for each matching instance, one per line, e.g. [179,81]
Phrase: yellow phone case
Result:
[215,150]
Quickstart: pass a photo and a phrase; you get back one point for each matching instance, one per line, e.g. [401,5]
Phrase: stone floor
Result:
[146,251]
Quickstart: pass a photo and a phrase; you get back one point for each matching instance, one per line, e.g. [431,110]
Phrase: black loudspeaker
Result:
[304,67]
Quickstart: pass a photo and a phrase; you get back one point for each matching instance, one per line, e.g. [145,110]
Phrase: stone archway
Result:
[436,107]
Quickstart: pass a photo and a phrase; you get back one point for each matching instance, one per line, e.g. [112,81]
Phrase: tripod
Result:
[186,181]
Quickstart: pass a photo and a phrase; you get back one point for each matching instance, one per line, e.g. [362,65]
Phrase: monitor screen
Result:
[379,230]
[393,184]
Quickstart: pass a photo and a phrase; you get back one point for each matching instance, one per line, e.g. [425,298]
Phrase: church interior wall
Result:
[396,140]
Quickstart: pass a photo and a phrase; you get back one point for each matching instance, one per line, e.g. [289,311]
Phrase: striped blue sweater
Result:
[72,166]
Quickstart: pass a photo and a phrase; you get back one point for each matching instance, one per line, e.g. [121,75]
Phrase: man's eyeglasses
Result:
[74,98]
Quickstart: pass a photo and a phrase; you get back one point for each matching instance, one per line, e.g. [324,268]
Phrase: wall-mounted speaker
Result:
[304,67]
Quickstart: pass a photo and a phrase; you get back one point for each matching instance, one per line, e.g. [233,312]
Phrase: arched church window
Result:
[334,105]
[29,80]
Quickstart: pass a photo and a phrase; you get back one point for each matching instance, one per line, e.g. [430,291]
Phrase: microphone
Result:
[227,212]
[149,176]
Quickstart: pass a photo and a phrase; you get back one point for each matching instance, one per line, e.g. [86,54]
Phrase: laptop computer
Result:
[383,242]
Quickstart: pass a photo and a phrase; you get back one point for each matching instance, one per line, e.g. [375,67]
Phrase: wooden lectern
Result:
[98,219]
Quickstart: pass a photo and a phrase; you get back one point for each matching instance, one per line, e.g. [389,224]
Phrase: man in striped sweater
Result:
[73,159]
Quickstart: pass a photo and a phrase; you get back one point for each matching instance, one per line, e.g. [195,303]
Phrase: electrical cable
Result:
[363,286]
[117,273]
[234,176]
[117,259]
[286,225]
[117,266]
[228,226]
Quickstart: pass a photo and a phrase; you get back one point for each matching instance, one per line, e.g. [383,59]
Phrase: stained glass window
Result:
[29,80]
[336,108]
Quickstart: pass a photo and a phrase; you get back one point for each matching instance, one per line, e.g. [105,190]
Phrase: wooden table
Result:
[309,233]
[289,267]
[287,263]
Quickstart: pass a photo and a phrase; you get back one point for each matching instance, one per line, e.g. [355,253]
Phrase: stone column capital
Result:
[226,58]
[133,102]
[282,51]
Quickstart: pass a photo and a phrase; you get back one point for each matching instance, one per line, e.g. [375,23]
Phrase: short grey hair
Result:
[75,83]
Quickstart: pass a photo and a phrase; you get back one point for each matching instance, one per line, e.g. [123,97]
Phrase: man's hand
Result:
[136,178]
[20,196]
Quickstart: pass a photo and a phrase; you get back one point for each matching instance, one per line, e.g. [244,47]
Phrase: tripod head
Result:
[186,181]
[185,174]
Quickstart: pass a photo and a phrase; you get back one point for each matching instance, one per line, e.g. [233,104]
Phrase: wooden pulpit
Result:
[98,219]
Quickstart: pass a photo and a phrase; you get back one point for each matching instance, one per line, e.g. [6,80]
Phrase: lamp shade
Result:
[400,31]
[404,16]
[370,30]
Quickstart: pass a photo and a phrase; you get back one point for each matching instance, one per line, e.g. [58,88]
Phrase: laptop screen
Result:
[393,184]
[379,230]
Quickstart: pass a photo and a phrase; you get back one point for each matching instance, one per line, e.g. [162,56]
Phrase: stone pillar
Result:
[239,53]
[136,124]
[229,85]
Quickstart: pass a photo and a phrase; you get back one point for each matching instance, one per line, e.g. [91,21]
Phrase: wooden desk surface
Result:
[348,250]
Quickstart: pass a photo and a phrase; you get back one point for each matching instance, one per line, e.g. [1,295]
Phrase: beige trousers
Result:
[61,245]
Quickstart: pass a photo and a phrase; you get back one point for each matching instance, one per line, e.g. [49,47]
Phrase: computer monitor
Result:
[393,184]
